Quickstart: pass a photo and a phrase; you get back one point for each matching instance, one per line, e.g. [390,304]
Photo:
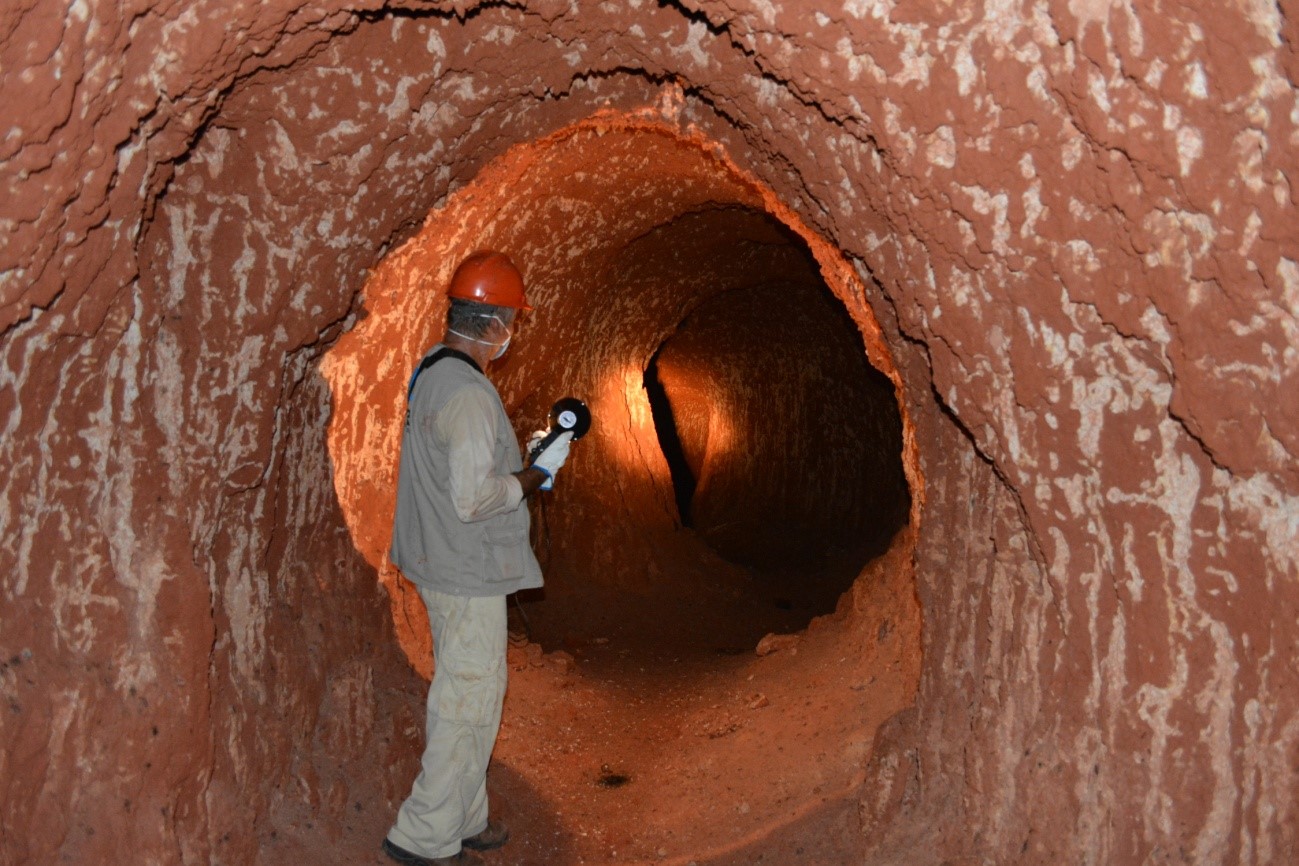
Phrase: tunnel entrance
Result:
[783,444]
[766,446]
[746,459]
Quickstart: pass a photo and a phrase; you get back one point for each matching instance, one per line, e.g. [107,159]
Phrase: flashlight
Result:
[568,415]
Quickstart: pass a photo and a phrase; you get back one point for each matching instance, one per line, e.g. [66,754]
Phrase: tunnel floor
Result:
[609,755]
[700,611]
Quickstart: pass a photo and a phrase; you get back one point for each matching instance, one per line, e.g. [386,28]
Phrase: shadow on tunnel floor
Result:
[695,611]
[827,832]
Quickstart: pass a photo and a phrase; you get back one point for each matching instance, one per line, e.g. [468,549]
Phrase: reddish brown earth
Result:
[1064,232]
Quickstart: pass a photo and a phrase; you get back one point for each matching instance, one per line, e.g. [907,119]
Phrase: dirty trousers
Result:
[449,799]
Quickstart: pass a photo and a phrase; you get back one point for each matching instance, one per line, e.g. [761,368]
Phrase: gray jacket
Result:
[460,527]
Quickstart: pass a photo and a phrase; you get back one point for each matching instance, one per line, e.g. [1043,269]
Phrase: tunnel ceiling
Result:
[1073,221]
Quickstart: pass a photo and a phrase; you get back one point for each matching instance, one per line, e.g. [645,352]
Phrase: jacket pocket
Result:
[507,547]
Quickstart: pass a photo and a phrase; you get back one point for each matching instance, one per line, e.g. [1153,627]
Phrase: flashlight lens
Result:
[570,414]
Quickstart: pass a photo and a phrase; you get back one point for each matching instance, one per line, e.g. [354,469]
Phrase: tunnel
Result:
[683,312]
[940,504]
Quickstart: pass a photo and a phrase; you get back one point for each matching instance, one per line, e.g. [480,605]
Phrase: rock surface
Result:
[1073,221]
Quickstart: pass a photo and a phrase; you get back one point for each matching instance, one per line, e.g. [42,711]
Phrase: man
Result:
[461,536]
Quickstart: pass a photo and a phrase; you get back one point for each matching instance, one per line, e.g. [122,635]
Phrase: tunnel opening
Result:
[720,345]
[772,443]
[783,445]
[747,456]
[665,428]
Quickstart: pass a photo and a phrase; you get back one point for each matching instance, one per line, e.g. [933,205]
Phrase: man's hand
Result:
[552,458]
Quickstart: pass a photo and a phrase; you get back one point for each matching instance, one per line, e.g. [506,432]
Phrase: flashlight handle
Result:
[553,434]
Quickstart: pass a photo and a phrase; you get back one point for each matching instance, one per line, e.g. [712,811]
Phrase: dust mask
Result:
[509,335]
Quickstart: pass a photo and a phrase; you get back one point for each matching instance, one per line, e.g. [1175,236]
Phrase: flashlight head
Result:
[570,415]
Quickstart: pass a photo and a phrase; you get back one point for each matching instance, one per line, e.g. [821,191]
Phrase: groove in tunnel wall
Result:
[665,428]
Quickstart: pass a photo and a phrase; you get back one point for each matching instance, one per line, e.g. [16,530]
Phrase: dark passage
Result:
[782,445]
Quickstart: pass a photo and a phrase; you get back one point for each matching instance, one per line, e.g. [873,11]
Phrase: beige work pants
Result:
[449,799]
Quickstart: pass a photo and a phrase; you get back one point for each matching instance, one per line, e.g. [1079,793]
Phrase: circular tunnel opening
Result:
[766,446]
[782,442]
[732,535]
[746,460]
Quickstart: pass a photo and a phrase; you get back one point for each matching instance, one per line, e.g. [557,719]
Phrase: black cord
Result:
[527,626]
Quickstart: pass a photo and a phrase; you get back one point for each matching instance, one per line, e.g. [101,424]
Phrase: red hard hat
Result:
[489,277]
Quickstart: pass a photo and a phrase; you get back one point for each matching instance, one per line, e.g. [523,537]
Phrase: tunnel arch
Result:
[627,228]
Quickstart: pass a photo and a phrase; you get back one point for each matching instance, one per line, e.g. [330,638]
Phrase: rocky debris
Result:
[525,654]
[516,657]
[719,725]
[561,661]
[774,643]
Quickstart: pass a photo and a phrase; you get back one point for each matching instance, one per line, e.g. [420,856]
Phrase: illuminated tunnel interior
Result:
[746,457]
[782,446]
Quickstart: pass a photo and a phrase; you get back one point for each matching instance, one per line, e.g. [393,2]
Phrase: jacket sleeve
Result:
[466,426]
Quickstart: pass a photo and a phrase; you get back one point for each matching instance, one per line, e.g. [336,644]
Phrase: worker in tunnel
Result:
[460,534]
